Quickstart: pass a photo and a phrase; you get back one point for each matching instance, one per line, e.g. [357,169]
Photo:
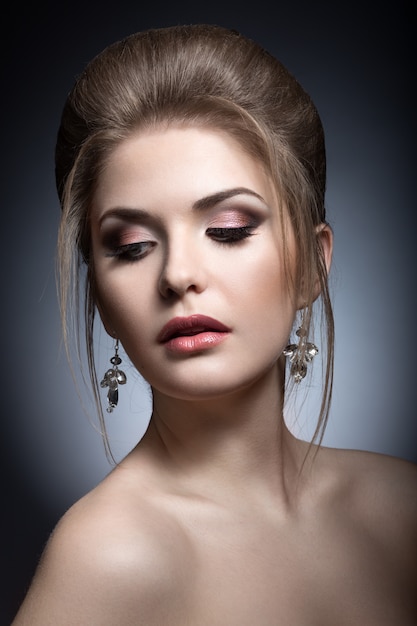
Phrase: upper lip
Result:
[191,325]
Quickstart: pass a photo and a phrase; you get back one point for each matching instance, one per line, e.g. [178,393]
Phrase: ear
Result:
[324,236]
[325,242]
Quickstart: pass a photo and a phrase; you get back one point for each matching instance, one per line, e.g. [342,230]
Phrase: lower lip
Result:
[186,344]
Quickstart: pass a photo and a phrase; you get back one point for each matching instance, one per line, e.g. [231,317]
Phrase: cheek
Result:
[272,304]
[272,300]
[266,276]
[120,301]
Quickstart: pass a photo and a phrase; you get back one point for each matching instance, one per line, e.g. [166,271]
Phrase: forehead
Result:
[178,164]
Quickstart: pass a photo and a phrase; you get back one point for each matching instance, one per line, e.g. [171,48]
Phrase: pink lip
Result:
[193,333]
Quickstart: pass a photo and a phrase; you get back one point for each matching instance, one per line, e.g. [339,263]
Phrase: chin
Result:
[211,387]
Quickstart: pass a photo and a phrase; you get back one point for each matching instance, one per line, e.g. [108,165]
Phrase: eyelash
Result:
[230,235]
[132,252]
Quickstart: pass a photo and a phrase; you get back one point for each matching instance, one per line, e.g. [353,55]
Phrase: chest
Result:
[275,576]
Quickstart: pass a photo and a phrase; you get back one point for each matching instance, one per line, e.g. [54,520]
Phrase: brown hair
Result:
[203,75]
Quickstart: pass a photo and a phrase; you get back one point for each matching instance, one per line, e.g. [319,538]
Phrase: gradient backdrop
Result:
[357,69]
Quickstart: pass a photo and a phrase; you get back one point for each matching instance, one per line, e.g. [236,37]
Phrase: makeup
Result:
[185,335]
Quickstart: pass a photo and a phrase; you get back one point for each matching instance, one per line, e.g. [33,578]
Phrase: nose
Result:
[183,270]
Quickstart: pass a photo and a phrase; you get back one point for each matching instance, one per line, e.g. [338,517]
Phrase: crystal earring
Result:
[300,354]
[113,378]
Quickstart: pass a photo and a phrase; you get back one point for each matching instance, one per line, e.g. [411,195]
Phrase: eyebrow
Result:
[209,201]
[199,205]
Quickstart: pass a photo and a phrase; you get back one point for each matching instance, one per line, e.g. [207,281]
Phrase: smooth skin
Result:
[208,521]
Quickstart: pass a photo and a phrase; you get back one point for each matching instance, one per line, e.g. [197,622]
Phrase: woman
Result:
[191,171]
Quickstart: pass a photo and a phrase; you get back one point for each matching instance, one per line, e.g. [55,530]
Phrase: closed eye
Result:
[230,235]
[132,251]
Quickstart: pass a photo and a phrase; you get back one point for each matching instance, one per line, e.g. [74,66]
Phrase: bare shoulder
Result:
[110,560]
[379,493]
[384,481]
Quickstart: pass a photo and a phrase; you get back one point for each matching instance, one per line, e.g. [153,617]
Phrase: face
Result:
[189,262]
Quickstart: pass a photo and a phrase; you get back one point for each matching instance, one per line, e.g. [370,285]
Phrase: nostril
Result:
[176,282]
[170,291]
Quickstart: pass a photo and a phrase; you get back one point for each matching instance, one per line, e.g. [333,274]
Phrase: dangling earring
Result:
[300,354]
[113,378]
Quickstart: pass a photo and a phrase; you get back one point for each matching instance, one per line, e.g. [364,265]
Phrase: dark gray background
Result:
[357,68]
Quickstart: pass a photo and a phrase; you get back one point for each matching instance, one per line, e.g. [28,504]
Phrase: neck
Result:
[223,445]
